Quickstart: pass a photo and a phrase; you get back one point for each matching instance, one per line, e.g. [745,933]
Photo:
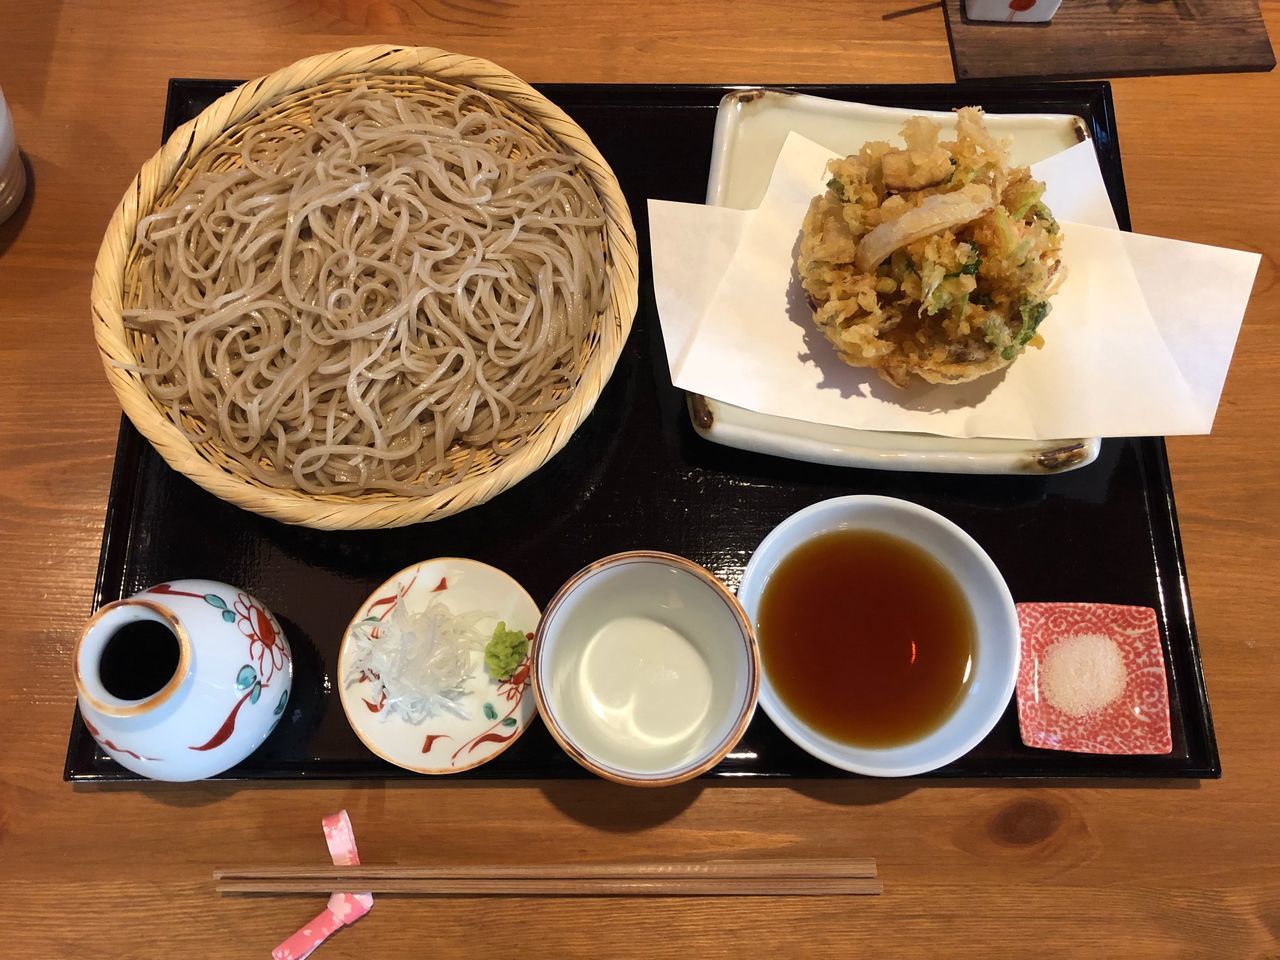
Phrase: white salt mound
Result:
[1083,674]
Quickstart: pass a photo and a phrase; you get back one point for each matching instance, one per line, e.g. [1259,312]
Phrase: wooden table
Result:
[1096,869]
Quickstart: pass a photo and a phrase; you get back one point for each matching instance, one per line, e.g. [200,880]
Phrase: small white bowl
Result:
[995,668]
[645,669]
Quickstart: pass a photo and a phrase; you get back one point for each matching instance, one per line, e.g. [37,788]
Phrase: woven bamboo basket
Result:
[399,69]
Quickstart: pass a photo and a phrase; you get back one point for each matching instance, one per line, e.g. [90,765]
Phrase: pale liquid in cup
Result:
[643,692]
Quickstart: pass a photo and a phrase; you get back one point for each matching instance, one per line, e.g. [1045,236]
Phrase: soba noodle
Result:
[367,299]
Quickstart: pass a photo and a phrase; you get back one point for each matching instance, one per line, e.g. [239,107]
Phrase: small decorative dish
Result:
[1092,679]
[478,725]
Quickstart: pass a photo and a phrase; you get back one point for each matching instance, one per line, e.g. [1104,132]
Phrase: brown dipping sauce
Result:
[866,638]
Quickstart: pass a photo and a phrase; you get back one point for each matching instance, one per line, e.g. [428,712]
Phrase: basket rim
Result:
[377,510]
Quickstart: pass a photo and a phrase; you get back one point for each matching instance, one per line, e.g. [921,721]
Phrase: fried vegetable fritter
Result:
[935,260]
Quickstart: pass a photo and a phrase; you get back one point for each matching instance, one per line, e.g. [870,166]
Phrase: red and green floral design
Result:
[264,636]
[215,601]
[512,690]
[266,649]
[247,680]
[93,731]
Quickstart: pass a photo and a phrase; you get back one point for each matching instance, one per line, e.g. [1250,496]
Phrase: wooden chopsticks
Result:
[713,878]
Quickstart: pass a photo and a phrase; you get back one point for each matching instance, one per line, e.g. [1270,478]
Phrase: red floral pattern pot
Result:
[227,691]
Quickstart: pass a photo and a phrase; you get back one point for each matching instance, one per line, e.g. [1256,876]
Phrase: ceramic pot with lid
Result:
[183,680]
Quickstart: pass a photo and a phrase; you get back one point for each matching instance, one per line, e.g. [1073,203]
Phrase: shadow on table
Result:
[617,808]
[593,803]
[858,793]
[853,793]
[10,229]
[621,809]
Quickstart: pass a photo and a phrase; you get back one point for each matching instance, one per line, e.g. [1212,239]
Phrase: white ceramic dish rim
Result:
[746,709]
[744,429]
[880,762]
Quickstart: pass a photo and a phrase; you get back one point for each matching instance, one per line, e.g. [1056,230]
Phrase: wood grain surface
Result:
[970,870]
[1114,38]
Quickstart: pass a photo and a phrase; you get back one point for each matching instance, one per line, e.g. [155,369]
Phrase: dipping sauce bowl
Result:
[993,668]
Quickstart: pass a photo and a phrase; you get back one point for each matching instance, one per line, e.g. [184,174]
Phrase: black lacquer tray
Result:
[637,476]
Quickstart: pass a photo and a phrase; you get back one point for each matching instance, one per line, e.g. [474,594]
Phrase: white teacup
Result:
[645,669]
[1012,11]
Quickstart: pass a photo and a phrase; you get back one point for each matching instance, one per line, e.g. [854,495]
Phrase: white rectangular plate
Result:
[750,130]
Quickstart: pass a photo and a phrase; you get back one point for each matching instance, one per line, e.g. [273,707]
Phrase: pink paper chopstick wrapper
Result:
[340,839]
[343,908]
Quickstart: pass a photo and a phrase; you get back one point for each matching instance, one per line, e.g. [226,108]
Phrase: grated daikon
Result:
[419,662]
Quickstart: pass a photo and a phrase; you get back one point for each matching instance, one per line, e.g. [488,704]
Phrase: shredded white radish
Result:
[420,661]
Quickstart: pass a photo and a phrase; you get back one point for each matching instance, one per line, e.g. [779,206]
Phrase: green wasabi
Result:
[505,651]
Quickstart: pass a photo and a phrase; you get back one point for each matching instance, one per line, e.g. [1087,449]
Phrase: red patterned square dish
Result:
[1092,679]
